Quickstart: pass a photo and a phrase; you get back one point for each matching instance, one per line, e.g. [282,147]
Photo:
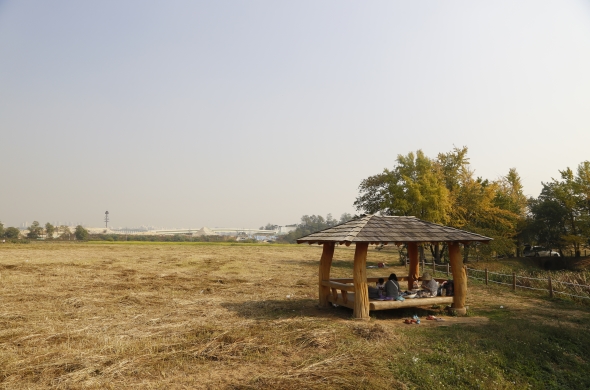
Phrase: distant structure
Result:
[232,231]
[106,219]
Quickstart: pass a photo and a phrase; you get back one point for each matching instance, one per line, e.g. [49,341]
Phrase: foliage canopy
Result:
[444,190]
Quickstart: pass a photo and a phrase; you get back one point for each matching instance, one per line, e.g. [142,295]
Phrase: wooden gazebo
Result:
[375,229]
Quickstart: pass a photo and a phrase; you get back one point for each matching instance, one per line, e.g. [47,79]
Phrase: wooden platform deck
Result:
[386,305]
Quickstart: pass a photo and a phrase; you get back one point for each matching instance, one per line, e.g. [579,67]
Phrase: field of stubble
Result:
[151,316]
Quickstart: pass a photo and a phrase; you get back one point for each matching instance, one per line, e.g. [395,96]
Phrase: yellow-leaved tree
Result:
[444,191]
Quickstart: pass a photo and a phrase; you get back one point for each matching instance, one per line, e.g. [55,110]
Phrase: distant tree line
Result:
[269,226]
[47,232]
[313,223]
[162,238]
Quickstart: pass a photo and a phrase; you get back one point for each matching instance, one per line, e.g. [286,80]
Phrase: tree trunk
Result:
[414,271]
[437,252]
[443,250]
[465,253]
[361,289]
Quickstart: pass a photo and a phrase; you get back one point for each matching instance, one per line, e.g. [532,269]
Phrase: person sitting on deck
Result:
[429,286]
[381,286]
[373,292]
[392,290]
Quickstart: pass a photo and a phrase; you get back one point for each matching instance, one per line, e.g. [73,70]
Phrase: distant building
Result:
[204,231]
[286,229]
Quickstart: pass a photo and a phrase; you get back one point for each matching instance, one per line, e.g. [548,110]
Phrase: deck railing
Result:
[335,286]
[548,285]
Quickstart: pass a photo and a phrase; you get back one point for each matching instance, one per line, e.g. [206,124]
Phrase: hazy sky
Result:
[239,113]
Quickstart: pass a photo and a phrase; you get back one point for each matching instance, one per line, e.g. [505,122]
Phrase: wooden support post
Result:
[325,266]
[448,269]
[513,281]
[433,267]
[486,276]
[414,272]
[459,279]
[344,296]
[361,289]
[335,293]
[550,287]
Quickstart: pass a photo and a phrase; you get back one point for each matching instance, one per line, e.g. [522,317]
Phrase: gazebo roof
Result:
[394,229]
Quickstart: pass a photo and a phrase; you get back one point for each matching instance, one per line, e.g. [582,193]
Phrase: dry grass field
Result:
[176,316]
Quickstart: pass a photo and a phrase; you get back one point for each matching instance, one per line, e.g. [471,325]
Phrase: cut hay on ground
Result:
[208,316]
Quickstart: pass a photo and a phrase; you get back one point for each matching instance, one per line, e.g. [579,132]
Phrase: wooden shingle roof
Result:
[391,229]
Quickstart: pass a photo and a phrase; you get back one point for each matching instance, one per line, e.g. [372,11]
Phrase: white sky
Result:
[190,114]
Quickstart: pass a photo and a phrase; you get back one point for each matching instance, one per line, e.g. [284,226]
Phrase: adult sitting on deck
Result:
[429,286]
[392,290]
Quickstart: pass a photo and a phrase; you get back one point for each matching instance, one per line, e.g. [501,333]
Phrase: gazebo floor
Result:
[386,305]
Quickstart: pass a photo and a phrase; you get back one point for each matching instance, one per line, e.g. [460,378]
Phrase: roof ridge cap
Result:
[352,235]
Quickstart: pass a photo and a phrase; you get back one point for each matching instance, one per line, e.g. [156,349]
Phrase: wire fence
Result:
[549,285]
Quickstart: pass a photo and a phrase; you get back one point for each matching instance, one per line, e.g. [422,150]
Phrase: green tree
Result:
[414,187]
[11,232]
[565,203]
[345,217]
[1,229]
[35,230]
[565,193]
[65,232]
[546,222]
[309,224]
[49,230]
[81,233]
[374,193]
[582,188]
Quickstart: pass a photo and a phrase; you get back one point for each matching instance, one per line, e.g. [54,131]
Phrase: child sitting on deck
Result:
[381,286]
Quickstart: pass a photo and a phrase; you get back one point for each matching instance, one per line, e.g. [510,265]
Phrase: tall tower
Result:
[106,219]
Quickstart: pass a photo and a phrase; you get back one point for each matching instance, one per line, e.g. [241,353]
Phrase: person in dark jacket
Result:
[392,290]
